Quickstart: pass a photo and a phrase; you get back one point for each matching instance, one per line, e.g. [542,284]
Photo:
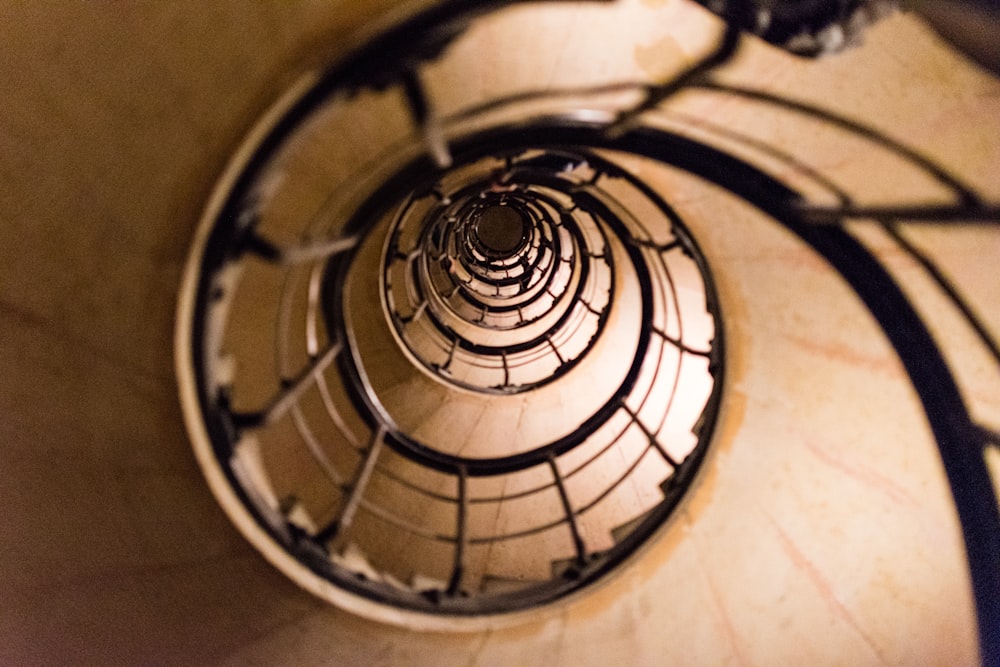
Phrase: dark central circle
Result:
[500,228]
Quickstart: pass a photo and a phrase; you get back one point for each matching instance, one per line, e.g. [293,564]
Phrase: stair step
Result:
[497,584]
[252,475]
[423,584]
[351,558]
[621,531]
[297,514]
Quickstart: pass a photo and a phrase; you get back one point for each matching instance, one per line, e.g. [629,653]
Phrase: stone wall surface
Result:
[821,531]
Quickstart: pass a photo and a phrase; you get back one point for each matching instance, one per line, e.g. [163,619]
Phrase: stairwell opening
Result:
[458,425]
[463,385]
[448,356]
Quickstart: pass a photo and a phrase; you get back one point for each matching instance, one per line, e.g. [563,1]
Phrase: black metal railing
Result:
[509,318]
[500,251]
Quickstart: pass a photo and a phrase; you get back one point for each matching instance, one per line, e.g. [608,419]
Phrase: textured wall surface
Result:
[821,532]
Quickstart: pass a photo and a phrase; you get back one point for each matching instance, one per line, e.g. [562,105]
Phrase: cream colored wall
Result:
[821,532]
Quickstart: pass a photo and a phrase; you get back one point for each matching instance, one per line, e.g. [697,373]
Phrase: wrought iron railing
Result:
[487,260]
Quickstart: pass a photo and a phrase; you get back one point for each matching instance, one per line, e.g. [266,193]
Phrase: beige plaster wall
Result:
[821,532]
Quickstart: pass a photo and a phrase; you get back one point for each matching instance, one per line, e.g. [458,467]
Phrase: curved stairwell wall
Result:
[821,530]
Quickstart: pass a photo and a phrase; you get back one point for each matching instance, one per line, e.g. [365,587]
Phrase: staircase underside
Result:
[821,529]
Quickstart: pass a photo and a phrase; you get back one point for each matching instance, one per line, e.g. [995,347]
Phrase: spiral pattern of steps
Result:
[487,391]
[821,528]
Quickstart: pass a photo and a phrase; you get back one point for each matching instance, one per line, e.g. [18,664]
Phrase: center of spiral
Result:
[500,229]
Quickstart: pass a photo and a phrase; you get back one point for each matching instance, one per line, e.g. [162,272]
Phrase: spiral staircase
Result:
[483,381]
